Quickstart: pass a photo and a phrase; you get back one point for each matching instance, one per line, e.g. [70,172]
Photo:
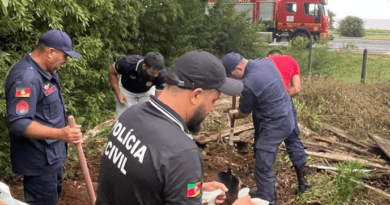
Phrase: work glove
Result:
[209,197]
[244,194]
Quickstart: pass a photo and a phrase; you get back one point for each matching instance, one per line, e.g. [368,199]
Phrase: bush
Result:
[351,27]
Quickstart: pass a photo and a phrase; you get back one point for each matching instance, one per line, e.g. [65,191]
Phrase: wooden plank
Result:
[344,158]
[305,130]
[204,138]
[344,135]
[360,151]
[317,147]
[246,136]
[382,141]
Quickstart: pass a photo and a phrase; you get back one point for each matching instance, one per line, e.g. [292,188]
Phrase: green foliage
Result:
[348,179]
[311,117]
[103,31]
[337,188]
[227,30]
[382,31]
[347,66]
[322,58]
[321,191]
[331,16]
[299,43]
[351,27]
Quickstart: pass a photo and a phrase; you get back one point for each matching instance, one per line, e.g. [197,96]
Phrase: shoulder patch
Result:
[23,92]
[193,190]
[22,107]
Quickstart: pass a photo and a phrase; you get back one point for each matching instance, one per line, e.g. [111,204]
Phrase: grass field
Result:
[373,34]
[348,68]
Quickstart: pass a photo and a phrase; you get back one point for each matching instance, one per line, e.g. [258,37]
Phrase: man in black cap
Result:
[151,157]
[266,98]
[37,119]
[142,76]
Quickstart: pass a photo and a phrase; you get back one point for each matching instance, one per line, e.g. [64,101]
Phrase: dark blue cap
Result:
[230,62]
[59,40]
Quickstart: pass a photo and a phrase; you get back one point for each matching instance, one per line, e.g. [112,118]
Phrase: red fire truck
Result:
[288,18]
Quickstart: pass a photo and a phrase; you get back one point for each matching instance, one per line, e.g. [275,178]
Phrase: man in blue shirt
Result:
[266,98]
[37,119]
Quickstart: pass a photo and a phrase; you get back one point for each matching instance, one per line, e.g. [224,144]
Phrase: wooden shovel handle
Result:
[83,163]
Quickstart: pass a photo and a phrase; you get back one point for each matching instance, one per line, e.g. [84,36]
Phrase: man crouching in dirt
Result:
[151,158]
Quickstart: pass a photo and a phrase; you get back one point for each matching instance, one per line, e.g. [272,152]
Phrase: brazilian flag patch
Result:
[193,190]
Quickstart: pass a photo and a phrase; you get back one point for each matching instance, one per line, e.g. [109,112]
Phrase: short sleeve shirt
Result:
[287,66]
[265,96]
[134,79]
[150,159]
[34,95]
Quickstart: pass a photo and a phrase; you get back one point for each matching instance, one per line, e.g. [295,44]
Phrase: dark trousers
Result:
[266,151]
[293,143]
[43,189]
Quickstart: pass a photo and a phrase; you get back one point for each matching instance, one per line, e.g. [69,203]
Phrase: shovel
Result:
[83,163]
[227,178]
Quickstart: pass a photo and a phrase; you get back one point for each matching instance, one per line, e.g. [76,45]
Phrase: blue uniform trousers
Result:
[266,151]
[293,143]
[43,189]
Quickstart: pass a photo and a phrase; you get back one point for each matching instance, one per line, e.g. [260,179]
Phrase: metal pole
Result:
[310,53]
[364,65]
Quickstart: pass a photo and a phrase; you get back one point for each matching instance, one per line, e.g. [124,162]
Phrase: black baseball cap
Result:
[201,69]
[59,40]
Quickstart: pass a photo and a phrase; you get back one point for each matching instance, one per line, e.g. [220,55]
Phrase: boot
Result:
[303,185]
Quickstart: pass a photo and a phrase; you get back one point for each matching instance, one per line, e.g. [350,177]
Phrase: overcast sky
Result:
[372,9]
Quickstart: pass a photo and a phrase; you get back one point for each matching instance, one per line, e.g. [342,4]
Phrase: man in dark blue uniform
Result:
[37,119]
[265,97]
[151,157]
[141,76]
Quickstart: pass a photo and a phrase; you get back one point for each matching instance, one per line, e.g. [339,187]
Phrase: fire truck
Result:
[288,18]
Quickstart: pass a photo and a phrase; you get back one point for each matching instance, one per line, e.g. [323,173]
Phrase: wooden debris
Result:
[317,147]
[307,131]
[344,158]
[378,191]
[382,142]
[246,136]
[98,128]
[203,137]
[340,144]
[344,135]
[332,168]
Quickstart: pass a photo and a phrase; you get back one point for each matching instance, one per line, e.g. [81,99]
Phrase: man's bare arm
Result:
[114,81]
[295,85]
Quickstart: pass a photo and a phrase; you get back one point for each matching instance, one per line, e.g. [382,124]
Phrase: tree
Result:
[351,27]
[331,16]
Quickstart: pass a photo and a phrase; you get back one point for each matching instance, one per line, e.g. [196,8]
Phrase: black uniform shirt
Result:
[150,159]
[134,79]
